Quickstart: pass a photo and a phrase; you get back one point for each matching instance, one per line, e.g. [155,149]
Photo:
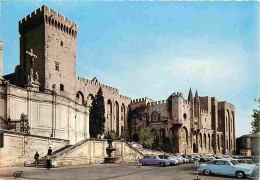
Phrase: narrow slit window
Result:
[61,87]
[57,66]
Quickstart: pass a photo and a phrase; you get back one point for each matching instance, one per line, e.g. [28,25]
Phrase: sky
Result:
[152,49]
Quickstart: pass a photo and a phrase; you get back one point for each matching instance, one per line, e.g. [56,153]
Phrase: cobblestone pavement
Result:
[109,171]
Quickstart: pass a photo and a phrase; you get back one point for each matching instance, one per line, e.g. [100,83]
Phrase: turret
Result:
[177,108]
[197,107]
[190,96]
[197,100]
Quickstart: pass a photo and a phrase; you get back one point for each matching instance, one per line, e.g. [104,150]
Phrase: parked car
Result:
[177,158]
[173,161]
[226,167]
[195,157]
[245,161]
[153,160]
[255,173]
[255,159]
[203,159]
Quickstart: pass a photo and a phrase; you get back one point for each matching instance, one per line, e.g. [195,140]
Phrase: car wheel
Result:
[144,164]
[162,164]
[207,172]
[240,174]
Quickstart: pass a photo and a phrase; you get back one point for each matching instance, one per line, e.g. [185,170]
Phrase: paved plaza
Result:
[109,171]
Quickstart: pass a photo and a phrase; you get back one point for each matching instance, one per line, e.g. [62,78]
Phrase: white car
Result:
[226,167]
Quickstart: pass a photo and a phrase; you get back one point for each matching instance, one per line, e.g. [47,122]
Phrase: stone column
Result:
[1,61]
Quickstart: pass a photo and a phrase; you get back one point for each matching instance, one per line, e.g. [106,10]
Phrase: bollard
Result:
[197,169]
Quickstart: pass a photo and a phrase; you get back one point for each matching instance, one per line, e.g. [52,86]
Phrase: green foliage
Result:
[163,143]
[256,121]
[132,115]
[156,143]
[137,112]
[97,115]
[145,138]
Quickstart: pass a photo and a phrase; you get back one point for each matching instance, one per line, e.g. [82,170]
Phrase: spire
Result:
[190,96]
[197,97]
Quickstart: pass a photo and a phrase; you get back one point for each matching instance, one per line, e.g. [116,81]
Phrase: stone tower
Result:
[177,114]
[51,37]
[177,107]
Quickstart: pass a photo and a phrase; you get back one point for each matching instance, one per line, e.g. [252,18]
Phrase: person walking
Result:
[36,158]
[48,162]
[49,154]
[49,151]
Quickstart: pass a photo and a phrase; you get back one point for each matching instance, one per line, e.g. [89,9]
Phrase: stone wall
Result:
[48,114]
[19,148]
[94,151]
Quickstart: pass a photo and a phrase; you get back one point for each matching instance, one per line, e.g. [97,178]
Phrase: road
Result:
[109,172]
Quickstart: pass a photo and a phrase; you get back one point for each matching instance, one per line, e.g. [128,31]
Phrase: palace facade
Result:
[45,88]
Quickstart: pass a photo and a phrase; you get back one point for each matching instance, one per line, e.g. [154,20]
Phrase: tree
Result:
[97,115]
[145,138]
[256,121]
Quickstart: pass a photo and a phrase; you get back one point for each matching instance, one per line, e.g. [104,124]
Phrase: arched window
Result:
[109,115]
[201,141]
[184,116]
[117,118]
[80,98]
[185,135]
[205,141]
[209,141]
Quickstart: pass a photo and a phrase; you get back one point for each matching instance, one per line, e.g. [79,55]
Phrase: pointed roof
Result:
[190,96]
[197,97]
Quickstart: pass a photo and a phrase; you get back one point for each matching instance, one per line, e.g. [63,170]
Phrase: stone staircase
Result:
[62,153]
[142,151]
[42,162]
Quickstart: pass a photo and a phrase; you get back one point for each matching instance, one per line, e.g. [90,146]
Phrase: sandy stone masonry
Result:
[196,125]
[52,18]
[56,101]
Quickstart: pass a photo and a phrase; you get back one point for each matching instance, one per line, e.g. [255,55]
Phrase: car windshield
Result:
[147,157]
[163,157]
[234,162]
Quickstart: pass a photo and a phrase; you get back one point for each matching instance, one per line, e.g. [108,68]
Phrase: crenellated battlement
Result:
[186,102]
[49,16]
[145,99]
[177,94]
[158,103]
[138,100]
[124,97]
[96,83]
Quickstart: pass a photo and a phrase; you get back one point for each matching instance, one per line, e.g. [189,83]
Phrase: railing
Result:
[130,146]
[67,150]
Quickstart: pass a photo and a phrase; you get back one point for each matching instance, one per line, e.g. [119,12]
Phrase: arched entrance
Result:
[109,115]
[195,148]
[122,119]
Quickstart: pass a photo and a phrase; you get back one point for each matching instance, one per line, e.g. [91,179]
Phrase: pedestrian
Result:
[49,151]
[36,158]
[48,162]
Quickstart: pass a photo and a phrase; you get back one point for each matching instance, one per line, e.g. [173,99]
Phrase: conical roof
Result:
[190,96]
[197,97]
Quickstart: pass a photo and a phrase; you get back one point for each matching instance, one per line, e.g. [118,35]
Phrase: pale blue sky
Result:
[153,49]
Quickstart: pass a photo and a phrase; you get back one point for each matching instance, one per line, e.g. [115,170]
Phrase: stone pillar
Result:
[1,61]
